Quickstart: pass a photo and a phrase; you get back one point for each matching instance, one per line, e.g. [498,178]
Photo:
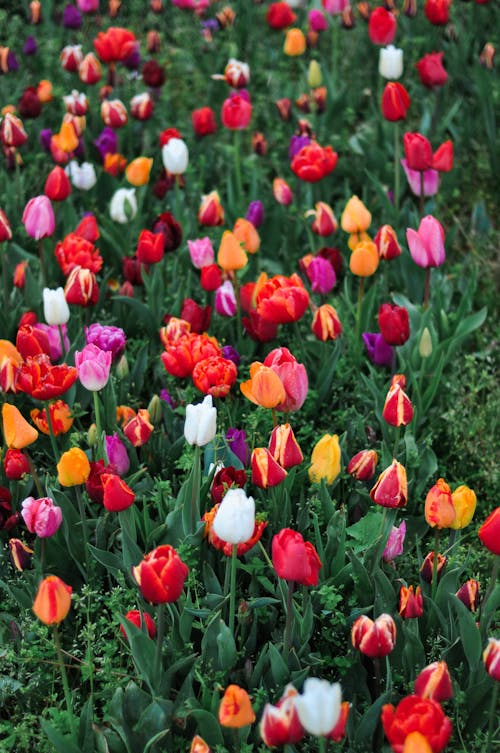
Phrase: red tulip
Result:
[280,15]
[381,26]
[150,247]
[437,11]
[117,495]
[411,603]
[362,465]
[431,71]
[489,533]
[115,44]
[203,121]
[161,575]
[314,162]
[395,101]
[43,381]
[434,682]
[374,638]
[391,488]
[284,447]
[236,111]
[295,559]
[280,724]
[214,376]
[57,186]
[415,714]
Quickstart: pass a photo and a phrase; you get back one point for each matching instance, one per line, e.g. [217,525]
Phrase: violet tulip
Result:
[93,365]
[38,217]
[379,352]
[427,243]
[108,338]
[117,454]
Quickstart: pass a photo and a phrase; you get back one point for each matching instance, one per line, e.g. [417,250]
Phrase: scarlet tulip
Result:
[374,638]
[391,488]
[57,186]
[489,532]
[398,410]
[115,44]
[282,299]
[431,71]
[71,56]
[280,15]
[395,102]
[362,465]
[314,162]
[140,619]
[442,160]
[81,287]
[142,106]
[284,447]
[418,151]
[203,121]
[295,559]
[118,495]
[89,70]
[139,428]
[236,112]
[326,323]
[161,575]
[437,11]
[415,714]
[15,465]
[214,376]
[381,26]
[12,133]
[150,247]
[387,243]
[43,381]
[266,471]
[75,251]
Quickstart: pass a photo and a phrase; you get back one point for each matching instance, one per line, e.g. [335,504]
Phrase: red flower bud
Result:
[437,11]
[468,593]
[418,151]
[5,231]
[411,604]
[15,464]
[489,533]
[398,410]
[117,495]
[491,658]
[381,26]
[284,447]
[81,287]
[139,428]
[57,185]
[265,470]
[138,619]
[326,323]
[427,567]
[280,724]
[150,247]
[431,71]
[443,157]
[387,243]
[295,559]
[391,488]
[362,465]
[374,638]
[434,682]
[395,101]
[203,121]
[161,575]
[394,324]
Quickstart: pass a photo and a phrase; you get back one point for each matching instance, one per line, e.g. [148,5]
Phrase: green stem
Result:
[322,744]
[64,677]
[493,717]
[5,280]
[396,441]
[160,632]
[34,474]
[52,435]
[435,564]
[63,346]
[85,538]
[100,444]
[335,53]
[232,591]
[289,620]
[43,272]
[397,166]
[195,489]
[361,291]
[177,193]
[421,202]
[427,288]
[237,167]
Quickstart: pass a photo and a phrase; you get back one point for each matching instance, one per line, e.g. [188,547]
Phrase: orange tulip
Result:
[246,233]
[235,709]
[66,140]
[60,415]
[53,600]
[231,255]
[73,468]
[355,218]
[17,431]
[198,745]
[295,43]
[415,742]
[264,387]
[137,172]
[10,359]
[439,508]
[114,164]
[44,91]
[364,259]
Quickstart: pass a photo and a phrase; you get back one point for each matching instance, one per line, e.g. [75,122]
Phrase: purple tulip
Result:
[231,354]
[45,138]
[296,144]
[72,18]
[107,338]
[106,142]
[38,217]
[165,395]
[30,46]
[255,213]
[237,441]
[321,275]
[93,365]
[133,61]
[117,454]
[41,516]
[379,352]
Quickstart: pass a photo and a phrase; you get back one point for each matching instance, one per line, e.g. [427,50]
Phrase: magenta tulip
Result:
[427,243]
[38,217]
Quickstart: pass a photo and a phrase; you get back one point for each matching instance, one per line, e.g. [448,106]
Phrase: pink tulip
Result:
[93,366]
[394,546]
[225,299]
[431,180]
[38,217]
[88,6]
[201,252]
[292,374]
[335,6]
[41,516]
[427,243]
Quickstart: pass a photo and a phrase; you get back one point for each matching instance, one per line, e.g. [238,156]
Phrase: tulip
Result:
[38,217]
[293,376]
[52,601]
[55,307]
[234,521]
[214,376]
[284,447]
[395,102]
[123,206]
[41,516]
[439,509]
[325,222]
[390,62]
[411,604]
[211,212]
[434,682]
[60,416]
[491,658]
[82,176]
[20,554]
[142,106]
[12,133]
[442,159]
[15,464]
[57,186]
[394,546]
[236,440]
[394,324]
[381,26]
[280,724]
[489,532]
[71,57]
[427,567]
[280,15]
[314,77]
[231,255]
[431,71]
[140,620]
[5,229]
[418,151]
[201,252]
[203,121]
[295,43]
[374,638]
[364,259]
[138,171]
[236,112]
[76,103]
[175,156]
[391,488]
[437,11]
[282,192]
[161,575]
[93,365]
[415,715]
[200,426]
[245,233]
[378,351]
[81,287]
[362,465]
[139,428]
[117,495]
[314,162]
[468,593]
[398,410]
[255,213]
[264,387]
[464,501]
[17,432]
[73,468]
[295,559]
[326,323]
[266,471]
[318,706]
[325,460]
[387,243]
[427,244]
[235,708]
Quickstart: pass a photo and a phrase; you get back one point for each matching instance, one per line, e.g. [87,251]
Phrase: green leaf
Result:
[141,311]
[208,727]
[111,561]
[143,651]
[469,633]
[279,669]
[62,743]
[369,720]
[226,647]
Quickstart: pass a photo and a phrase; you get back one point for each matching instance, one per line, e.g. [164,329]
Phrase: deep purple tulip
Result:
[378,351]
[30,46]
[237,441]
[72,18]
[106,338]
[106,142]
[255,213]
[45,138]
[117,454]
[231,354]
[296,144]
[165,395]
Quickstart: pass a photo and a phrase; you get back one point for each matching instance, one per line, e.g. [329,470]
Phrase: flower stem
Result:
[64,677]
[422,197]
[232,588]
[34,474]
[361,291]
[396,441]
[427,288]
[160,631]
[396,166]
[63,346]
[493,717]
[435,565]
[84,525]
[53,442]
[195,489]
[43,272]
[322,744]
[289,620]
[100,445]
[237,167]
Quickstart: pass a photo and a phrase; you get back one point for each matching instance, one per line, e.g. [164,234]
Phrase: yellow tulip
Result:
[73,468]
[325,460]
[464,501]
[355,218]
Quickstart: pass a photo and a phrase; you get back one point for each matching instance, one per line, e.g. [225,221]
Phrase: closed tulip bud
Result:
[236,73]
[55,306]
[265,470]
[427,567]
[89,70]
[314,76]
[427,244]
[284,447]
[364,259]
[82,176]
[398,410]
[390,62]
[362,465]
[280,724]
[387,243]
[52,601]
[489,533]
[234,521]
[81,287]
[411,604]
[5,230]
[434,682]
[391,488]
[295,43]
[139,428]
[15,464]
[12,133]
[282,192]
[175,156]
[468,593]
[211,212]
[201,252]
[395,102]
[73,468]
[225,299]
[394,324]
[57,186]
[326,323]
[71,57]
[20,554]
[17,432]
[141,620]
[325,222]
[235,708]
[374,638]
[442,159]
[200,426]
[231,255]
[487,56]
[491,658]
[142,106]
[355,218]
[38,217]
[93,365]
[161,575]
[325,460]
[319,706]
[418,151]
[464,501]
[123,206]
[138,171]
[41,516]
[425,344]
[295,559]
[439,509]
[394,546]
[245,232]
[118,495]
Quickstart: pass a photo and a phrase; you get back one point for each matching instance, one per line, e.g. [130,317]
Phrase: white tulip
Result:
[175,156]
[200,426]
[390,62]
[82,176]
[319,706]
[234,521]
[55,307]
[123,207]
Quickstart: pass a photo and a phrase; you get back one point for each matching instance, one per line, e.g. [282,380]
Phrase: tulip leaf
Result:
[143,652]
[226,647]
[207,727]
[141,310]
[111,562]
[85,734]
[370,718]
[469,633]
[279,669]
[363,582]
[61,743]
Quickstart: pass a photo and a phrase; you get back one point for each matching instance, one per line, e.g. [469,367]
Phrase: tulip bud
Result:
[234,520]
[117,495]
[231,255]
[487,56]
[38,217]
[53,600]
[394,546]
[391,488]
[398,410]
[319,706]
[295,43]
[89,70]
[20,554]
[411,604]
[295,559]
[325,460]
[12,133]
[142,106]
[439,509]
[123,206]
[200,426]
[489,533]
[362,465]
[235,708]
[468,593]
[280,724]
[139,428]
[425,344]
[374,638]
[55,307]
[282,192]
[387,243]
[211,212]
[15,464]
[71,57]
[284,447]
[175,156]
[73,467]
[427,567]
[491,658]
[434,682]
[265,470]
[237,74]
[390,62]
[326,323]
[314,76]
[41,516]
[464,501]
[140,620]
